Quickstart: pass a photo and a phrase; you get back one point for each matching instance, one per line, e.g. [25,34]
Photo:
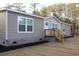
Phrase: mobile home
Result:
[52,22]
[18,28]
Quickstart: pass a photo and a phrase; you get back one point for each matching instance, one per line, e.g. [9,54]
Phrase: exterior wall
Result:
[23,38]
[2,26]
[61,26]
[52,21]
[66,29]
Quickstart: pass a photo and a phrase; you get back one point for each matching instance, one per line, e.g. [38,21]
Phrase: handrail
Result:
[59,35]
[56,33]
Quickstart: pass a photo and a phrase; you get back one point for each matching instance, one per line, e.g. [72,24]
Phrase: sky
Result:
[43,3]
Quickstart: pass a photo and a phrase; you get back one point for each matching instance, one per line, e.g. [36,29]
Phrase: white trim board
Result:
[6,24]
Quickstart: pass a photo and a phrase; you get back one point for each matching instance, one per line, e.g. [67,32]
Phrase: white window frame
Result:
[32,26]
[18,26]
[25,25]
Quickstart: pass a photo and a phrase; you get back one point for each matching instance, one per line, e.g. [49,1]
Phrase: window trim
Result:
[18,26]
[32,26]
[25,26]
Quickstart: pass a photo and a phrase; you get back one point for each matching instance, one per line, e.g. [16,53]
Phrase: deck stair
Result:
[58,34]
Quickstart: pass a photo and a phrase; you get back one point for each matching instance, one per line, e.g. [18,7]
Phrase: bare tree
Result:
[16,6]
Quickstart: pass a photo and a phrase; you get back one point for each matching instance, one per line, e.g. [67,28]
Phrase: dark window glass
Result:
[29,28]
[29,25]
[46,23]
[22,23]
[22,28]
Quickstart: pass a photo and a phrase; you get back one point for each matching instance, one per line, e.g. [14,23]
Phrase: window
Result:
[50,24]
[25,25]
[46,24]
[29,25]
[54,25]
[22,24]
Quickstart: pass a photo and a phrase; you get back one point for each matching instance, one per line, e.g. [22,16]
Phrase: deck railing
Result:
[58,34]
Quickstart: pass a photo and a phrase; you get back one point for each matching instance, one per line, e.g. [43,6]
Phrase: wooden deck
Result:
[58,34]
[68,48]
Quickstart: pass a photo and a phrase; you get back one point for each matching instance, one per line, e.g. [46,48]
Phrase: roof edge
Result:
[57,20]
[6,9]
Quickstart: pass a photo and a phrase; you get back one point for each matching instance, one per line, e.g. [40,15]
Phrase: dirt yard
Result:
[69,48]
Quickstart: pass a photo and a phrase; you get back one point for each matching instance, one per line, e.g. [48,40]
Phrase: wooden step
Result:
[56,33]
